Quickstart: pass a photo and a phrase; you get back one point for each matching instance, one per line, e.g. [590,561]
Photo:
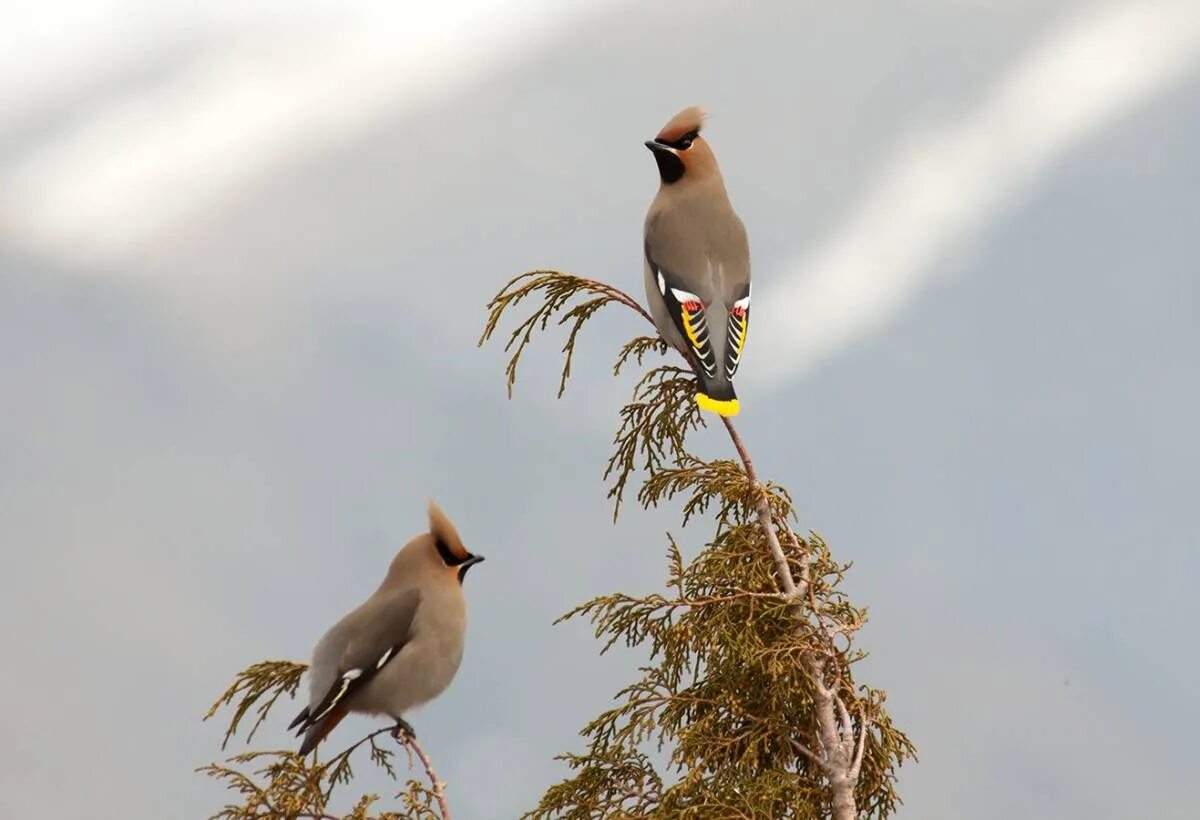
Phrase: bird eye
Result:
[684,142]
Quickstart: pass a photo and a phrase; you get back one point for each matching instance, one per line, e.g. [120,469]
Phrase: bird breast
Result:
[424,666]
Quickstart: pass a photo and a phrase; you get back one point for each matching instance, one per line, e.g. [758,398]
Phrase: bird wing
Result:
[387,628]
[688,313]
[739,324]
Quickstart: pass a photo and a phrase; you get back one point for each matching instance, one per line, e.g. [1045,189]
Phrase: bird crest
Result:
[690,119]
[445,534]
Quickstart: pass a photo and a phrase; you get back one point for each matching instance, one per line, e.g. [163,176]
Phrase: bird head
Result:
[453,554]
[680,151]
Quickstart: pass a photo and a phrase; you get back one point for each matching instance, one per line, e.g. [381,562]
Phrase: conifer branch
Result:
[558,290]
[291,787]
[722,637]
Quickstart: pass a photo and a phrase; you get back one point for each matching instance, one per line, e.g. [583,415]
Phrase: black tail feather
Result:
[717,390]
[317,730]
[717,396]
[310,741]
[301,719]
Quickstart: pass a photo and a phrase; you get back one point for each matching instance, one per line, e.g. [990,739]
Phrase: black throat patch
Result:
[670,167]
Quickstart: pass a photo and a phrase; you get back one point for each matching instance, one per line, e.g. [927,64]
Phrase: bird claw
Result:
[403,731]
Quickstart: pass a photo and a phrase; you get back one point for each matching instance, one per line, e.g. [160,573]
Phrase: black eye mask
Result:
[684,142]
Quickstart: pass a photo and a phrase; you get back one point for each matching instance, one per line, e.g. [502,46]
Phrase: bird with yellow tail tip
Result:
[402,647]
[697,261]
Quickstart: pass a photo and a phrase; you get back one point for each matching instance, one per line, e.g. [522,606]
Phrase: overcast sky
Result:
[244,254]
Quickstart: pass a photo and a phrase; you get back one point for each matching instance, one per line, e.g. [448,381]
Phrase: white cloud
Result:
[943,186]
[103,187]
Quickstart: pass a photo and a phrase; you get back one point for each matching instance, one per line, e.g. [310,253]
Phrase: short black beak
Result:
[655,145]
[472,561]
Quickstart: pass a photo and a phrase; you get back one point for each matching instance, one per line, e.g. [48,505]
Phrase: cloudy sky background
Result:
[244,252]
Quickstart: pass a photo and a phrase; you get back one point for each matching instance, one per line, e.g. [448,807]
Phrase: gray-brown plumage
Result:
[402,647]
[697,261]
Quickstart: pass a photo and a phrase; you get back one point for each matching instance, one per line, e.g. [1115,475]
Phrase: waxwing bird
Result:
[401,648]
[697,261]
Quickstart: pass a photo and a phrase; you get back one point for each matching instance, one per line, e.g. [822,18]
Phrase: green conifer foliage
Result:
[747,707]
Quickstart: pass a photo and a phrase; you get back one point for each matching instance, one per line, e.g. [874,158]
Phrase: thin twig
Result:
[627,300]
[439,787]
[410,745]
[844,714]
[804,750]
[805,569]
[765,519]
[856,767]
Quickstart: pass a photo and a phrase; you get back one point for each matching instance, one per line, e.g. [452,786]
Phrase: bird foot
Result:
[403,731]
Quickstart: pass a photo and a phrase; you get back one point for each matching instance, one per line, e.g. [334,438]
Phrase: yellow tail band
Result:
[728,407]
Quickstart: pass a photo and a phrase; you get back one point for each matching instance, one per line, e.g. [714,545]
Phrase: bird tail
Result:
[301,718]
[314,733]
[717,397]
